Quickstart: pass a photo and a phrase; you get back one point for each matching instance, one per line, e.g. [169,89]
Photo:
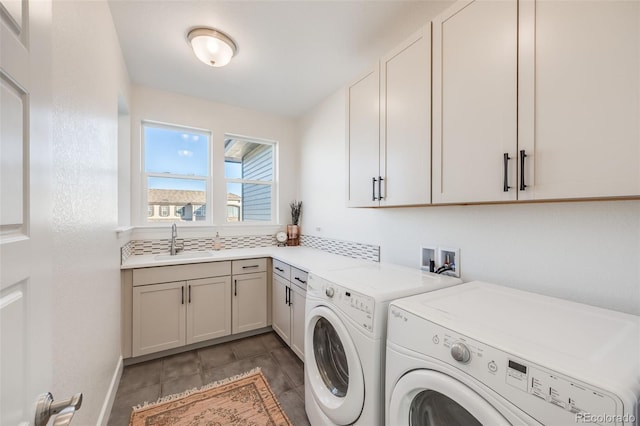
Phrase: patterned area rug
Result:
[244,400]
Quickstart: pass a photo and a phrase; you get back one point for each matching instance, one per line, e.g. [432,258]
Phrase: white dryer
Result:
[345,334]
[481,354]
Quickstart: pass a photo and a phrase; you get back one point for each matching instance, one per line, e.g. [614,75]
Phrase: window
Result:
[249,170]
[176,172]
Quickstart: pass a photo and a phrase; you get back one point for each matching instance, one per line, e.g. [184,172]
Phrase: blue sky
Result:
[184,153]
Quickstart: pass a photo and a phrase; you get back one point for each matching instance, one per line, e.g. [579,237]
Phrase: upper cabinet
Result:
[536,100]
[579,92]
[388,128]
[475,55]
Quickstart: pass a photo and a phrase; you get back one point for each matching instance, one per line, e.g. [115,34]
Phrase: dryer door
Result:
[426,397]
[333,365]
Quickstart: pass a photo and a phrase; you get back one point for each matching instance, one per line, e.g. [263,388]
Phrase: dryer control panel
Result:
[546,395]
[358,307]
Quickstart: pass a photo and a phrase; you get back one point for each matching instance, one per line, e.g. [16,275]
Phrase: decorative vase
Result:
[293,235]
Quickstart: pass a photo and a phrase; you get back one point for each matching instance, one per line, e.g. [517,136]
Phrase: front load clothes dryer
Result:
[345,332]
[481,354]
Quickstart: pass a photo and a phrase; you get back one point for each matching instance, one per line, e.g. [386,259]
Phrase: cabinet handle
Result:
[506,186]
[182,294]
[299,280]
[279,269]
[235,287]
[380,187]
[373,189]
[286,295]
[250,266]
[189,293]
[522,157]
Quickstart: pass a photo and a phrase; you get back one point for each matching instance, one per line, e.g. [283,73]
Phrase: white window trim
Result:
[144,175]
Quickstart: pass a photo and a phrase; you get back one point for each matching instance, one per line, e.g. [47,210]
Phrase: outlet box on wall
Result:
[446,259]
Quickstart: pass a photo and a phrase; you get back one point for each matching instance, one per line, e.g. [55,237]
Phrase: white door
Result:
[475,102]
[208,309]
[159,317]
[427,397]
[280,311]
[297,299]
[25,206]
[363,140]
[579,98]
[405,125]
[249,307]
[333,366]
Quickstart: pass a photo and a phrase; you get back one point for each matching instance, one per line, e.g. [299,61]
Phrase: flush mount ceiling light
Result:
[211,46]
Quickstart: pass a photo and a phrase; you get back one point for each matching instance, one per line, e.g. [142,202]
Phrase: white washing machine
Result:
[481,354]
[345,334]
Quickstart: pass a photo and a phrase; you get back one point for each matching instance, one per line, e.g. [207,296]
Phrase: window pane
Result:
[181,200]
[175,151]
[248,160]
[247,202]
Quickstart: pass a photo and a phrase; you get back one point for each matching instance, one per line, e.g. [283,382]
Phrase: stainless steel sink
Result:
[185,255]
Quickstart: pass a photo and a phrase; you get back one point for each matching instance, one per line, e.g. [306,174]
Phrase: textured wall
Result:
[583,251]
[88,75]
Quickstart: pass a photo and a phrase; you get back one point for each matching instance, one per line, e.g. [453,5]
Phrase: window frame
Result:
[144,175]
[273,183]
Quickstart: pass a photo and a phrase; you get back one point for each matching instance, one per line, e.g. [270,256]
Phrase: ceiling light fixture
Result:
[211,46]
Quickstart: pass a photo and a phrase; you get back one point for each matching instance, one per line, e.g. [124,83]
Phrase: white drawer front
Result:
[282,269]
[249,266]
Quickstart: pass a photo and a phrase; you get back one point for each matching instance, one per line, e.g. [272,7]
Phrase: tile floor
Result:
[150,380]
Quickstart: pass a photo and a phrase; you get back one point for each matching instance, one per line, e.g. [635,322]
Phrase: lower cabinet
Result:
[288,310]
[249,306]
[168,307]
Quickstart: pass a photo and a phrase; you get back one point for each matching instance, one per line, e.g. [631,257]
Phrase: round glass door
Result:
[334,369]
[427,397]
[330,358]
[431,408]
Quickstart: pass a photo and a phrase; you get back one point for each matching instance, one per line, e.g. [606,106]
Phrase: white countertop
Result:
[305,258]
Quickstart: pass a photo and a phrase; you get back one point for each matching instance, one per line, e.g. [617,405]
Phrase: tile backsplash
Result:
[344,248]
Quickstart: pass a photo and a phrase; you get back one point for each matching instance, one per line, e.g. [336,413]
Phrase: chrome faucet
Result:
[174,234]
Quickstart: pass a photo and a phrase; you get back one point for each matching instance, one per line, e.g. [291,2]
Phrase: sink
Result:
[185,255]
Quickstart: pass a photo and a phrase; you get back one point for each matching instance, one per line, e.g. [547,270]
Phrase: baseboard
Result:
[111,395]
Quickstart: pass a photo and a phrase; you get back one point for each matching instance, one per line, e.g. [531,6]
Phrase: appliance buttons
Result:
[460,352]
[492,366]
[435,339]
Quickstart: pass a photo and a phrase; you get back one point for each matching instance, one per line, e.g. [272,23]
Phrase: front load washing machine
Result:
[345,333]
[481,354]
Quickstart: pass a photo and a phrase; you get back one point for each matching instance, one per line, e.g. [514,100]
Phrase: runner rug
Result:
[245,400]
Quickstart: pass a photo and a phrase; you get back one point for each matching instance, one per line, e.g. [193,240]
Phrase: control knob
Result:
[329,291]
[460,352]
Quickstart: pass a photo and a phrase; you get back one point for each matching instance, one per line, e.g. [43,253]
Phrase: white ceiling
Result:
[291,54]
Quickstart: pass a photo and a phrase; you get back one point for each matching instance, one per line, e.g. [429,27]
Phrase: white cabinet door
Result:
[281,312]
[363,139]
[298,300]
[208,309]
[475,101]
[249,302]
[405,88]
[158,317]
[579,98]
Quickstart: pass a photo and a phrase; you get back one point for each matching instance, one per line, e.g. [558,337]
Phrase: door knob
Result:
[63,410]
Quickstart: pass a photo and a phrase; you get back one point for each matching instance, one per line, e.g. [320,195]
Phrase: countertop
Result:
[305,258]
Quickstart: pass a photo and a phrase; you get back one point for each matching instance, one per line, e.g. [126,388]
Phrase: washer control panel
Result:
[546,395]
[357,306]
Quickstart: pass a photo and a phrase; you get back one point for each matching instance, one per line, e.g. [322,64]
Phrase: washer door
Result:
[333,367]
[426,397]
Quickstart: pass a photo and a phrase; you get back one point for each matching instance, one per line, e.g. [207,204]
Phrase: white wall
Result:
[88,75]
[172,108]
[583,251]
